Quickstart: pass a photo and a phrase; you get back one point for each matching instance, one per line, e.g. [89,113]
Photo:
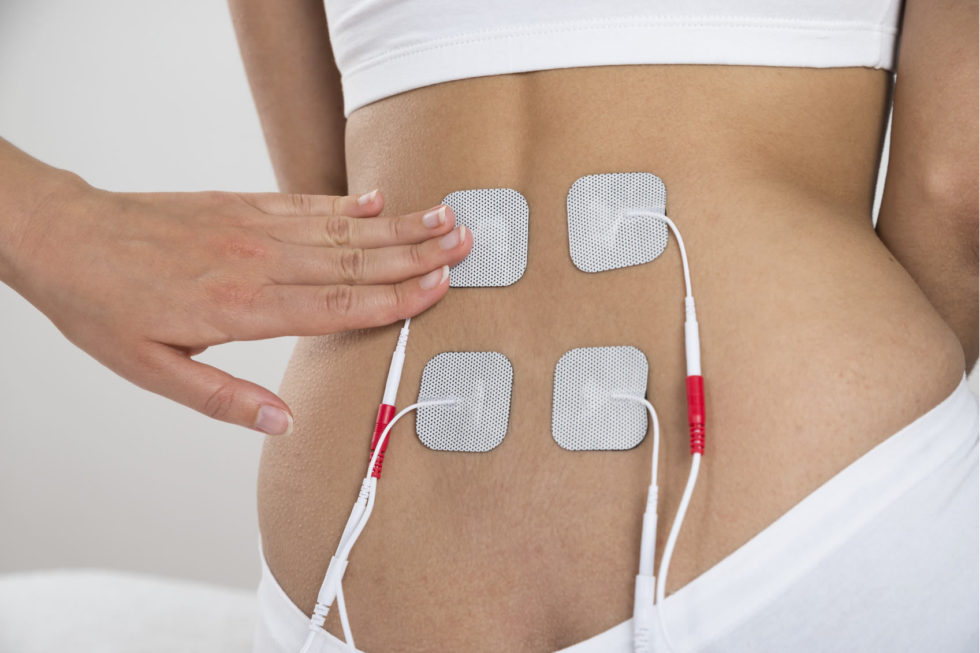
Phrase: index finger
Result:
[366,205]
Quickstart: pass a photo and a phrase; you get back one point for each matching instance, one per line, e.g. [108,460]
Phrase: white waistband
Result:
[714,602]
[616,41]
[745,581]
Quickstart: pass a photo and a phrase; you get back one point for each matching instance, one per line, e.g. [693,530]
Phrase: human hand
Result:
[144,281]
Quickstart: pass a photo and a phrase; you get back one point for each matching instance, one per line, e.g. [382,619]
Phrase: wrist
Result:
[29,197]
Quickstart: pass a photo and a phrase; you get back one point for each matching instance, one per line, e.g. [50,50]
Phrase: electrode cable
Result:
[648,539]
[677,234]
[331,589]
[695,405]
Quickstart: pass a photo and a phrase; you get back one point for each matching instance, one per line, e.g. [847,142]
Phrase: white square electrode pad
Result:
[498,218]
[480,381]
[584,414]
[602,235]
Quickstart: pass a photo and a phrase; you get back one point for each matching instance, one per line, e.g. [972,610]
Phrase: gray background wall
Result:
[132,95]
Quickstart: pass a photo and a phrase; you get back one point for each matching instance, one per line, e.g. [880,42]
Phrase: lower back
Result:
[816,345]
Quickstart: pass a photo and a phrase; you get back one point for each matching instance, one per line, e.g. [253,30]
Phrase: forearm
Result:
[285,46]
[146,281]
[25,185]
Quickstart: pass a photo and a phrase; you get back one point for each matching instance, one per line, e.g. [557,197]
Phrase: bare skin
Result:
[817,343]
[207,268]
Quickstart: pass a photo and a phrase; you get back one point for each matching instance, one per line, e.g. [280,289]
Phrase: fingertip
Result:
[435,279]
[367,198]
[273,420]
[422,298]
[467,238]
[436,218]
[462,245]
[370,203]
[423,292]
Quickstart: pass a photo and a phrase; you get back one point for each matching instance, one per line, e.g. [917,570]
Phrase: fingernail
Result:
[453,238]
[434,278]
[435,217]
[367,198]
[274,421]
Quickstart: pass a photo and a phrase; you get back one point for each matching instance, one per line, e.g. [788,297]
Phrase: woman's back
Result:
[816,346]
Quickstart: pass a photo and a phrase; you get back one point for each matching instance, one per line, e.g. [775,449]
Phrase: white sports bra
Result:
[384,47]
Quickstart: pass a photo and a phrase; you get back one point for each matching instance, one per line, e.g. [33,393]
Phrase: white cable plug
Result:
[644,590]
[395,368]
[648,595]
[330,589]
[643,637]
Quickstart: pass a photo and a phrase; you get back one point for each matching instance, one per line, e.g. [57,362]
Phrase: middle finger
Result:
[299,265]
[345,231]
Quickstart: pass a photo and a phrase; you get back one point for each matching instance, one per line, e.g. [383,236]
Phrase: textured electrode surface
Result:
[585,416]
[498,218]
[602,234]
[481,383]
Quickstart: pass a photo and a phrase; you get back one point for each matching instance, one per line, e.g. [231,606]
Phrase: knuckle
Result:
[338,231]
[231,293]
[218,208]
[219,403]
[398,303]
[147,361]
[352,262]
[301,203]
[241,246]
[416,257]
[338,300]
[396,230]
[218,197]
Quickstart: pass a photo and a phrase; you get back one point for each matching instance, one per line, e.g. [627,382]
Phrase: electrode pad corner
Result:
[481,382]
[602,232]
[498,218]
[585,414]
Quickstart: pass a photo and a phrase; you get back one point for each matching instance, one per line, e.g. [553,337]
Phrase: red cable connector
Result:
[385,413]
[695,412]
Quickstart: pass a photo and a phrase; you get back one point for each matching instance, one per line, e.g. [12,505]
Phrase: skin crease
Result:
[817,344]
[207,268]
[791,284]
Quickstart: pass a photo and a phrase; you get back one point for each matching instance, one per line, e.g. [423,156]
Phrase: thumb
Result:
[211,391]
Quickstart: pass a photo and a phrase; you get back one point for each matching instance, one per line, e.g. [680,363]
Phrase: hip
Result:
[816,346]
[833,573]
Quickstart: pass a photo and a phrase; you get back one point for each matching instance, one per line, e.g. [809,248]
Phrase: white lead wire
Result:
[693,356]
[352,532]
[680,244]
[344,621]
[648,539]
[355,525]
[675,529]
